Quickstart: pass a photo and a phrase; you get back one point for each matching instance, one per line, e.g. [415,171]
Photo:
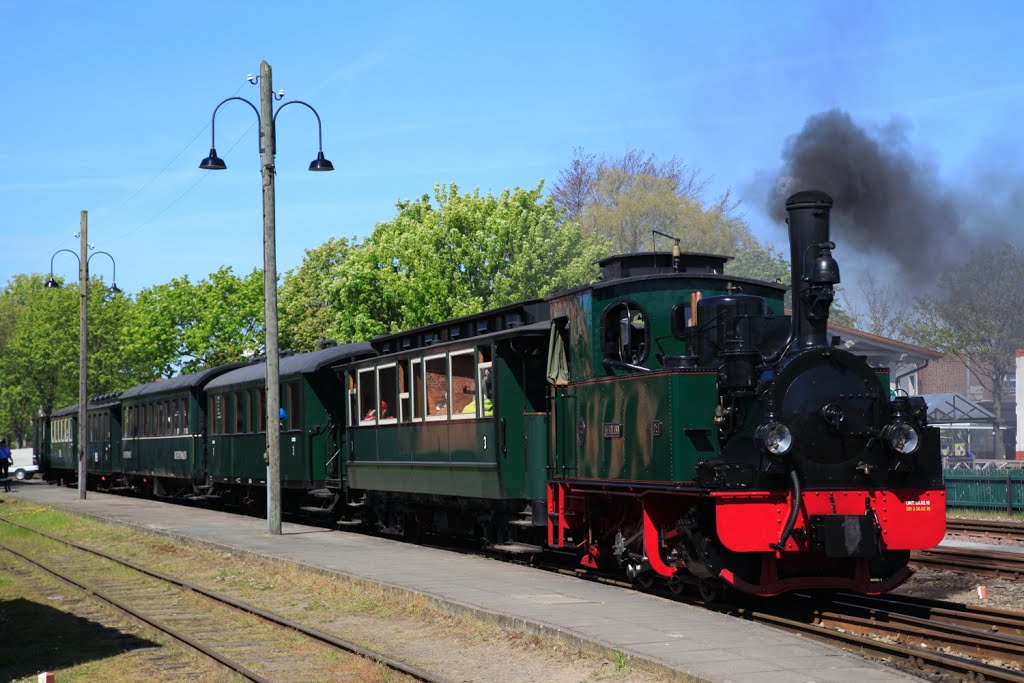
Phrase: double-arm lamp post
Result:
[267,118]
[83,337]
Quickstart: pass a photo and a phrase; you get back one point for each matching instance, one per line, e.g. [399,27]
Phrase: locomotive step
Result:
[315,510]
[349,522]
[521,522]
[321,493]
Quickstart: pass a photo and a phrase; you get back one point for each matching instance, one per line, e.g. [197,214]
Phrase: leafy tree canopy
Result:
[452,255]
[40,351]
[623,199]
[983,330]
[305,307]
[183,326]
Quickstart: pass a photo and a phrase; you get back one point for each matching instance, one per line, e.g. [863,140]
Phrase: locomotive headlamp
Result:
[774,437]
[901,437]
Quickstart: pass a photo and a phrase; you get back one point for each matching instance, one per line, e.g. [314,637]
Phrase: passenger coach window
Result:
[292,405]
[463,383]
[254,411]
[239,413]
[387,385]
[367,390]
[436,379]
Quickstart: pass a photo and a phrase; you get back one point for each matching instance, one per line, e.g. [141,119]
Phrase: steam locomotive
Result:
[666,421]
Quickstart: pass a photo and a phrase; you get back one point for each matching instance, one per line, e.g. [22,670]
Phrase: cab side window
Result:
[625,333]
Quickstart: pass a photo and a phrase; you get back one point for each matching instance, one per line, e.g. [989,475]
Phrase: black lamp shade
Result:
[114,289]
[321,164]
[213,162]
[52,284]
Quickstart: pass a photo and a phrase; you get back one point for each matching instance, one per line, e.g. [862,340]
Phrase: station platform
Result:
[694,642]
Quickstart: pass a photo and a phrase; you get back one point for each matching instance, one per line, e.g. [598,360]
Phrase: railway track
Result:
[924,636]
[1004,565]
[1005,531]
[255,644]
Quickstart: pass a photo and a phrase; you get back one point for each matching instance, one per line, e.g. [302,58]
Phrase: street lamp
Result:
[83,337]
[267,118]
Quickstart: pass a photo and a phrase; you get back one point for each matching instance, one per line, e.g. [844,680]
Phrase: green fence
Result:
[1001,490]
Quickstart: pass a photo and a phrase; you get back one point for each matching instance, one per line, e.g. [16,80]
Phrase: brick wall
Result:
[943,376]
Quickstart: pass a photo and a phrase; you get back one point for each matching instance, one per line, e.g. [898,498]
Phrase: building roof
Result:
[953,408]
[863,343]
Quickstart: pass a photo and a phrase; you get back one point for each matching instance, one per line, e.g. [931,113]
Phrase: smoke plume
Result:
[887,201]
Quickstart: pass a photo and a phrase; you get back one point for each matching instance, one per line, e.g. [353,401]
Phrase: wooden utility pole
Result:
[83,352]
[267,144]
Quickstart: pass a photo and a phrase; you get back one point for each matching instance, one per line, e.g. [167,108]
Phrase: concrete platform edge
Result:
[505,621]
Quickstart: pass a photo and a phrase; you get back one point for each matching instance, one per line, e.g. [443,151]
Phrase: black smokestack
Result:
[887,201]
[814,271]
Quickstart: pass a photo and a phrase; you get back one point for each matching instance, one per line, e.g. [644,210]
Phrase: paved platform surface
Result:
[691,640]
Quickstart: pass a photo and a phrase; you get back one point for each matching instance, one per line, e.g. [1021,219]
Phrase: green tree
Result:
[306,310]
[883,309]
[983,330]
[183,326]
[623,199]
[760,263]
[39,348]
[462,255]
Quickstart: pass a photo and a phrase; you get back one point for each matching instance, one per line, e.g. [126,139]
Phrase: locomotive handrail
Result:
[625,366]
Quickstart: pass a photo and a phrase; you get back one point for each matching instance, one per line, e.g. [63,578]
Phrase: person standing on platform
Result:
[5,463]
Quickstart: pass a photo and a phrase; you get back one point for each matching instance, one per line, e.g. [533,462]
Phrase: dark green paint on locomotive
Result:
[644,427]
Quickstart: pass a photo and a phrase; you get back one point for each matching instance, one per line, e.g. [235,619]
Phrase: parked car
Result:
[26,463]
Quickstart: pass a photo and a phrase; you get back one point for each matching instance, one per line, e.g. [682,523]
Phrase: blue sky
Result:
[108,108]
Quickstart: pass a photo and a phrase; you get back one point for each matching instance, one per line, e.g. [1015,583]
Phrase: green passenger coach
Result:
[163,451]
[236,428]
[60,462]
[451,417]
[103,441]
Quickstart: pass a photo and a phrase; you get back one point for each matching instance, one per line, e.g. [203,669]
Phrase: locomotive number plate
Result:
[180,455]
[612,430]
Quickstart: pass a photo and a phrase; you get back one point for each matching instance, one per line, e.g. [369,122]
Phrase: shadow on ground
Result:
[38,638]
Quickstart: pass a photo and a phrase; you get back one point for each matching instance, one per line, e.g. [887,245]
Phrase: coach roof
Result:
[299,364]
[181,382]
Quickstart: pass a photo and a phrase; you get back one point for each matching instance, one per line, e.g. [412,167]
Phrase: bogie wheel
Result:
[710,589]
[645,580]
[676,585]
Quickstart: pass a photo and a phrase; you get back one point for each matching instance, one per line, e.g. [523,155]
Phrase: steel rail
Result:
[1004,565]
[921,658]
[162,628]
[394,664]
